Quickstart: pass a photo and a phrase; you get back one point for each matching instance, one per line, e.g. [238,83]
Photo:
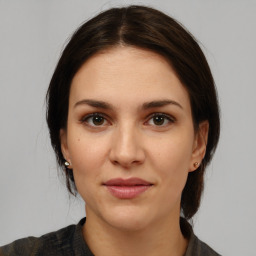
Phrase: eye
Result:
[160,119]
[94,120]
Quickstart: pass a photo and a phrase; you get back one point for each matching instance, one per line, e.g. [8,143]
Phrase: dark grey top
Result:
[69,241]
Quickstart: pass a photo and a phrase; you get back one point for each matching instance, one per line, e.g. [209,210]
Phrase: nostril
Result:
[126,150]
[115,162]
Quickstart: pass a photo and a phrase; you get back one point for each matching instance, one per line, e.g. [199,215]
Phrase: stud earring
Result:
[196,164]
[67,164]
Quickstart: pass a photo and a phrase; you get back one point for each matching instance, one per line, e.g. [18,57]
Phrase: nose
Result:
[126,149]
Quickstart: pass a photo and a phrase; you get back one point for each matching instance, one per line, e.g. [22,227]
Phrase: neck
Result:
[161,238]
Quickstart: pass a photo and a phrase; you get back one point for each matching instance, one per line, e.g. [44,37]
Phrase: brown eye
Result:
[94,120]
[98,120]
[159,120]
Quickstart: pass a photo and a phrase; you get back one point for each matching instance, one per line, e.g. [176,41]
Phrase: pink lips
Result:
[127,188]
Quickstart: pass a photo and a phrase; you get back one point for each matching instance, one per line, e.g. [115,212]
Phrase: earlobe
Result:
[64,147]
[200,144]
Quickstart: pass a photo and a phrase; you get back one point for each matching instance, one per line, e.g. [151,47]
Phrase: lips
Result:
[127,188]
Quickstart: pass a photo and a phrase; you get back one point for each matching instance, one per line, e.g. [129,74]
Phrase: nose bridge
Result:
[126,147]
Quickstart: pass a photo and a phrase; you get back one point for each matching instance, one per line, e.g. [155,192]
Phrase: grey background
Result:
[34,201]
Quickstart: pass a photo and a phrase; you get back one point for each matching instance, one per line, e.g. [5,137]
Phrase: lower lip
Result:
[127,192]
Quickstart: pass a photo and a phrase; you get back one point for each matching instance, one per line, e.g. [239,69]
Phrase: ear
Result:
[199,147]
[64,146]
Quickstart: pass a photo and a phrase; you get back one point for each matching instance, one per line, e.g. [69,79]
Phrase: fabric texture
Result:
[69,242]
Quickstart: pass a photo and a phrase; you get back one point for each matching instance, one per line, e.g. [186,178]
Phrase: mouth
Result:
[127,188]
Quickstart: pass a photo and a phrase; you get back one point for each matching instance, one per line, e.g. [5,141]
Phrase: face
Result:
[130,138]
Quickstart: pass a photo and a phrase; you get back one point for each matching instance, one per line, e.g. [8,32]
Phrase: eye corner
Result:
[160,120]
[95,120]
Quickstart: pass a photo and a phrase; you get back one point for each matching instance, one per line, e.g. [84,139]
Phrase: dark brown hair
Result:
[150,29]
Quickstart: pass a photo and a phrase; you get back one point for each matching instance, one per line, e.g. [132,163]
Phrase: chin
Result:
[128,219]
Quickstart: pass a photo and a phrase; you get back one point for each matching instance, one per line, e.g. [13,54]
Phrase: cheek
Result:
[173,150]
[86,149]
[88,156]
[171,158]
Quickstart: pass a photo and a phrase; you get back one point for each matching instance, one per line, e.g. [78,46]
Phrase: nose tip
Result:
[127,150]
[126,161]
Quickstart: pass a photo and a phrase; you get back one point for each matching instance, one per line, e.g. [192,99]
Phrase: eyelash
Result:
[169,118]
[87,117]
[166,117]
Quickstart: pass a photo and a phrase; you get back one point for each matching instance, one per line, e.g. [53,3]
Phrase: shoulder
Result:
[195,246]
[198,248]
[54,243]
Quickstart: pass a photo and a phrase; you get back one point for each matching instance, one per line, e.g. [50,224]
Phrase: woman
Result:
[134,121]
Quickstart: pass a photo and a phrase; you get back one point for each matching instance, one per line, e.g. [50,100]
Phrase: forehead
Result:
[124,73]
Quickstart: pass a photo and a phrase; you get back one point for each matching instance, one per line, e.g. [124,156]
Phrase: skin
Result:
[126,141]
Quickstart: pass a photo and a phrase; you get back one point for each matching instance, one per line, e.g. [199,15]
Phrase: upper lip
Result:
[127,182]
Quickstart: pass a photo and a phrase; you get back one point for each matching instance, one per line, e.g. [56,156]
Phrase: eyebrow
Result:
[94,103]
[145,106]
[160,103]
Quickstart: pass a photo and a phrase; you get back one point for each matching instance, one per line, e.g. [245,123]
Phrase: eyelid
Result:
[86,117]
[169,117]
[83,120]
